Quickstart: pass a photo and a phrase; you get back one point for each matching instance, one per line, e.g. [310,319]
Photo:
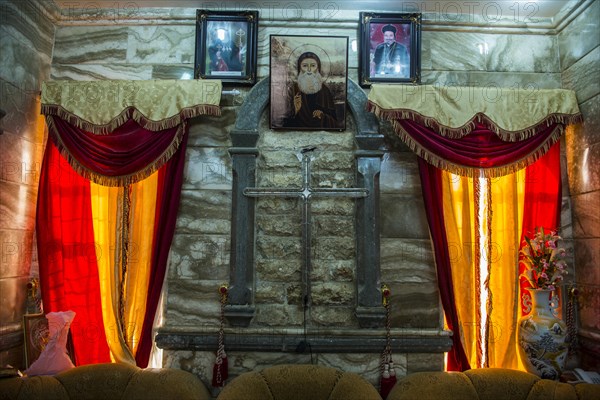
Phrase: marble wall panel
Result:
[93,72]
[17,206]
[403,216]
[587,259]
[13,299]
[581,136]
[22,65]
[204,211]
[407,261]
[521,80]
[456,51]
[400,174]
[586,219]
[182,304]
[199,257]
[22,109]
[15,252]
[523,53]
[172,71]
[172,44]
[212,131]
[28,22]
[584,176]
[414,306]
[584,76]
[207,168]
[423,362]
[20,160]
[580,36]
[90,44]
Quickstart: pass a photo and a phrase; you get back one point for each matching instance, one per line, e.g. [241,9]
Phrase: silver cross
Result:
[306,193]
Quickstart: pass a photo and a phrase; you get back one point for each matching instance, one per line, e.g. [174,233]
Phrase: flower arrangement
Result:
[544,260]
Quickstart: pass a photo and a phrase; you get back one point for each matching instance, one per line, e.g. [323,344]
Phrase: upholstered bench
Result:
[299,382]
[489,384]
[112,381]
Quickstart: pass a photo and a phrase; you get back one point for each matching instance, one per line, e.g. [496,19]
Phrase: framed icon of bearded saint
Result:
[309,76]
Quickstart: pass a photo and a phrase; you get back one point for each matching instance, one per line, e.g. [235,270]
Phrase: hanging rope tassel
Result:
[221,368]
[388,373]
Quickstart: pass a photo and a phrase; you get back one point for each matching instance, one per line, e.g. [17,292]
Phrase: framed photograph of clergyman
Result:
[309,76]
[226,46]
[390,48]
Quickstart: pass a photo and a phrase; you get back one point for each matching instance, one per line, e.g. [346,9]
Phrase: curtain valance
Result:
[116,133]
[102,106]
[474,131]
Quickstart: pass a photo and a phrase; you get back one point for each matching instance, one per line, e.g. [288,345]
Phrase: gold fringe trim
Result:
[473,172]
[130,113]
[121,180]
[489,301]
[480,340]
[459,132]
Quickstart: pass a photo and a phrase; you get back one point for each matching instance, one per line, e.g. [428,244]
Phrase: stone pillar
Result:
[240,308]
[369,309]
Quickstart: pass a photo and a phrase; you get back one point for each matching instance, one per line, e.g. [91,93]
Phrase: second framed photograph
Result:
[226,46]
[309,76]
[390,48]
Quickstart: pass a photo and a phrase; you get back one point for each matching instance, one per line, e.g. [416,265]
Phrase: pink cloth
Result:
[54,357]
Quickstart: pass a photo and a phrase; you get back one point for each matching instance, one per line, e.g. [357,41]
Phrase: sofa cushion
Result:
[34,387]
[149,382]
[110,381]
[434,386]
[488,384]
[500,383]
[299,382]
[97,381]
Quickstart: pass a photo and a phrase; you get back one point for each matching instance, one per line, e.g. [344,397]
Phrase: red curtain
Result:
[68,269]
[543,200]
[431,186]
[67,255]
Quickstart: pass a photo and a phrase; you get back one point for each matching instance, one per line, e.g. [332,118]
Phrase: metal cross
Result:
[306,193]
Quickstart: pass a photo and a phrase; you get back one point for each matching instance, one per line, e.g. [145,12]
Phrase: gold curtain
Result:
[112,208]
[498,346]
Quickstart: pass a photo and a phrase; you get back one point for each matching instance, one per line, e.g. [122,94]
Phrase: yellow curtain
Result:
[498,347]
[120,213]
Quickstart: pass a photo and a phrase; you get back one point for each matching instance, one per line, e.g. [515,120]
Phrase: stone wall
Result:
[26,39]
[579,46]
[159,44]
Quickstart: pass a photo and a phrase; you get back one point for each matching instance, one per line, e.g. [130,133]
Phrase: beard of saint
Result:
[310,83]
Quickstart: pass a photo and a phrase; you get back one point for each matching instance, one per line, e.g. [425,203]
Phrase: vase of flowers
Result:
[541,334]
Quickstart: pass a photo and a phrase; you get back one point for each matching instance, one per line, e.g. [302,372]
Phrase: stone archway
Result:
[240,309]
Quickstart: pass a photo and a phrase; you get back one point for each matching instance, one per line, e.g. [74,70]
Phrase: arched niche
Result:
[244,136]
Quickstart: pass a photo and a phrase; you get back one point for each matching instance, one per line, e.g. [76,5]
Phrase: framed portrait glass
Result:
[226,46]
[390,48]
[309,76]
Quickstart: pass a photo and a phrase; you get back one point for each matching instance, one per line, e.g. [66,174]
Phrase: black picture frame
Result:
[406,31]
[226,44]
[324,109]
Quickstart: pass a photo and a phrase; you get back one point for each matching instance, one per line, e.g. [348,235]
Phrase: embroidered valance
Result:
[476,131]
[454,111]
[102,106]
[116,133]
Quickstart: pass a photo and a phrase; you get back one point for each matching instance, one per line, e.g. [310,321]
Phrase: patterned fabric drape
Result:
[463,131]
[108,199]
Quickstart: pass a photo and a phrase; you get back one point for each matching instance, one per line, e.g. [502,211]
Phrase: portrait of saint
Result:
[308,82]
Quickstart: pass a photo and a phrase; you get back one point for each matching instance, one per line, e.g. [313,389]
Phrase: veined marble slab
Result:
[92,72]
[586,221]
[207,168]
[30,23]
[404,216]
[584,76]
[16,253]
[199,257]
[580,36]
[172,44]
[17,206]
